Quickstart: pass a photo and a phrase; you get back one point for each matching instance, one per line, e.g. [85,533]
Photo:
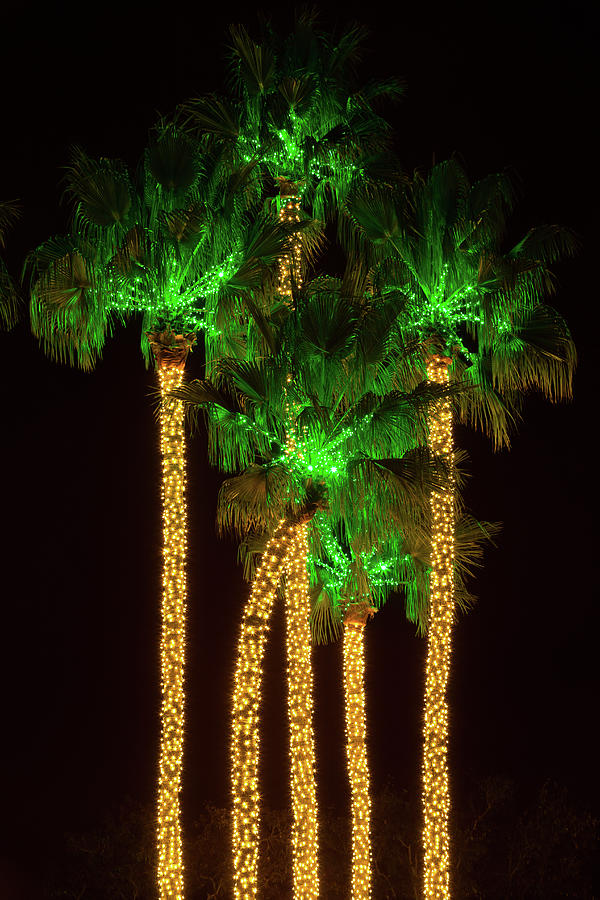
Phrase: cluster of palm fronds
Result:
[316,398]
[9,298]
[176,242]
[190,240]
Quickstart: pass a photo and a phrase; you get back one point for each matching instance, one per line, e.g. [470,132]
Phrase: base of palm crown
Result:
[359,613]
[170,350]
[288,188]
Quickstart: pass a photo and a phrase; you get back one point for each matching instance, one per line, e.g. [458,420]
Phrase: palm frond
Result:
[100,188]
[326,623]
[185,225]
[10,302]
[256,500]
[538,353]
[546,243]
[213,115]
[198,393]
[9,298]
[296,92]
[484,407]
[375,212]
[172,160]
[256,61]
[328,324]
[10,212]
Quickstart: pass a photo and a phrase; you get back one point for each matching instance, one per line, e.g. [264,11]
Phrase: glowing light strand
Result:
[290,263]
[246,704]
[356,753]
[172,646]
[305,844]
[300,706]
[436,796]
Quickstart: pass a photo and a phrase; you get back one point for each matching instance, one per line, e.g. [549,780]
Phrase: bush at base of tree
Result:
[504,848]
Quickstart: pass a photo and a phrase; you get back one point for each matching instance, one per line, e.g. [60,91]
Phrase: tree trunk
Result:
[170,353]
[246,705]
[305,847]
[305,841]
[436,797]
[172,645]
[356,753]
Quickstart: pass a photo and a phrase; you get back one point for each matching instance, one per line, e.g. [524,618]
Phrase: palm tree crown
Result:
[297,108]
[341,438]
[436,245]
[173,243]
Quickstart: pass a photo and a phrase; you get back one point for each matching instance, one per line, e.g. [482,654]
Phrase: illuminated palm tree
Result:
[351,584]
[299,115]
[436,245]
[9,300]
[298,111]
[175,244]
[306,447]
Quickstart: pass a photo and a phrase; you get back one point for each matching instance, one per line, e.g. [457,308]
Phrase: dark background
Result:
[506,86]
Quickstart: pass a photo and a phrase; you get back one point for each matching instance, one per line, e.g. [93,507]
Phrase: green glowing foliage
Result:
[180,245]
[311,441]
[298,110]
[435,251]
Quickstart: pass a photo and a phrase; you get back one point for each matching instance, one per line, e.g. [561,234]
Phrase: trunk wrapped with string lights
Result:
[170,353]
[284,556]
[356,747]
[305,843]
[436,795]
[289,263]
[305,838]
[439,241]
[246,707]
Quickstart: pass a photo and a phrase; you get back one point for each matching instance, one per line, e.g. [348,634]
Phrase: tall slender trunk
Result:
[436,796]
[246,705]
[356,750]
[305,838]
[170,352]
[172,645]
[286,553]
[305,845]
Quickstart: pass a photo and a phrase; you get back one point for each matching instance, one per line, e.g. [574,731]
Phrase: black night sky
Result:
[504,86]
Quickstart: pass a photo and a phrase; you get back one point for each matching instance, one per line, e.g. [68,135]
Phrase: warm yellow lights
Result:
[356,750]
[290,263]
[285,555]
[246,703]
[305,861]
[172,646]
[436,796]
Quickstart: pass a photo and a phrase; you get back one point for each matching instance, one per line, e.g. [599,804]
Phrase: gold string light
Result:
[286,551]
[246,703]
[356,752]
[305,865]
[290,263]
[305,846]
[436,795]
[172,645]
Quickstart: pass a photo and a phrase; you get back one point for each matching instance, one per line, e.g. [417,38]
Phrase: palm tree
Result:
[9,300]
[298,110]
[174,244]
[351,583]
[436,245]
[298,114]
[306,447]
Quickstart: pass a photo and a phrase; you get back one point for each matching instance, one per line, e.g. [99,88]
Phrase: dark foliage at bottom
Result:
[503,847]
